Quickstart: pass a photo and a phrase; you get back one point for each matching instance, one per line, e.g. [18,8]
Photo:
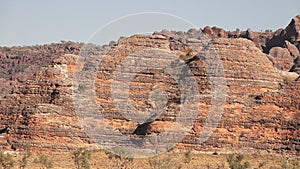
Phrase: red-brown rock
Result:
[261,112]
[292,49]
[290,33]
[281,58]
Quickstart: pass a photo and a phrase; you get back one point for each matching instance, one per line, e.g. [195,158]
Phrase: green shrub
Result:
[235,161]
[160,163]
[122,160]
[188,156]
[24,160]
[269,30]
[290,164]
[6,160]
[81,158]
[221,166]
[261,165]
[44,161]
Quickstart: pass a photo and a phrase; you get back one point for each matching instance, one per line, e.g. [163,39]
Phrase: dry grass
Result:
[170,160]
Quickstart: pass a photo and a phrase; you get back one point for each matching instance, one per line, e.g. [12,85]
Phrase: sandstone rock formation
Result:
[39,112]
[281,58]
[292,49]
[288,38]
[215,32]
[261,111]
[18,64]
[290,33]
[296,67]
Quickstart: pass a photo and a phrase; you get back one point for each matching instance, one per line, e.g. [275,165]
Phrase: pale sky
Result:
[30,22]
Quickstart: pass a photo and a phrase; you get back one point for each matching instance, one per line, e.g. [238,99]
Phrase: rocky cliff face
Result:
[18,64]
[261,111]
[287,42]
[39,113]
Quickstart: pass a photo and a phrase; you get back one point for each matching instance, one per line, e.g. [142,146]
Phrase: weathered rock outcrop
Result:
[292,49]
[281,58]
[18,64]
[290,33]
[261,109]
[261,112]
[288,38]
[296,67]
[39,113]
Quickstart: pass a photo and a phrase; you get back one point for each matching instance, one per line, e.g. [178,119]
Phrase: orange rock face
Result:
[260,103]
[261,112]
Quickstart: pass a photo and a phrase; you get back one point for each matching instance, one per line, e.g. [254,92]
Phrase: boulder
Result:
[296,66]
[219,32]
[215,32]
[292,49]
[208,31]
[293,30]
[281,58]
[291,33]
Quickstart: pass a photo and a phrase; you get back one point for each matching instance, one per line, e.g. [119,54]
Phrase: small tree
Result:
[235,161]
[24,160]
[268,30]
[6,160]
[81,158]
[122,158]
[188,156]
[44,161]
[290,164]
[161,163]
